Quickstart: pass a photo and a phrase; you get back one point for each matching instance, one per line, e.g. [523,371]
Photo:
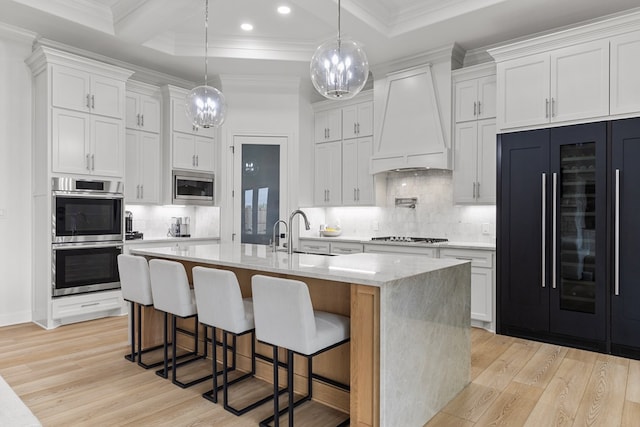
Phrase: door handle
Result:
[479,110]
[355,197]
[478,190]
[142,191]
[142,120]
[474,108]
[93,101]
[474,190]
[138,191]
[355,129]
[197,160]
[93,162]
[553,107]
[193,160]
[544,229]
[546,108]
[138,116]
[616,248]
[88,101]
[87,162]
[554,230]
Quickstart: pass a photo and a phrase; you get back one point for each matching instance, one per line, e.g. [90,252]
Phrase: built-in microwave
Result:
[192,188]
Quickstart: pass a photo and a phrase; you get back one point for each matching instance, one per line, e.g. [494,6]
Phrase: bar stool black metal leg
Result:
[132,357]
[290,385]
[276,403]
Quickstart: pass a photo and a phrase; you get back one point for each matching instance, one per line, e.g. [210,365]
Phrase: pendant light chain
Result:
[206,40]
[338,21]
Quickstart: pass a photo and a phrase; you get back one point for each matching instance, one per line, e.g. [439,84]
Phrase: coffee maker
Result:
[129,234]
[180,226]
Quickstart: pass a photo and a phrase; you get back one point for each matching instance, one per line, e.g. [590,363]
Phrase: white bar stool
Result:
[220,305]
[284,317]
[136,289]
[172,295]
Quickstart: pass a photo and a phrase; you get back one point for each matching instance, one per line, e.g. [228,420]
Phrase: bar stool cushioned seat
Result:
[284,317]
[220,305]
[136,289]
[172,295]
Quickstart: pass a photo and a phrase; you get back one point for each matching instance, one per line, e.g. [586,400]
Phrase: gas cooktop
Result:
[409,239]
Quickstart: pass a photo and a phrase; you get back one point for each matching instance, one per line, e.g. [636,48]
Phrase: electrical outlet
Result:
[486,228]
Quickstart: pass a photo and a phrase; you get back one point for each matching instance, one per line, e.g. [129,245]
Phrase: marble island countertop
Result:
[361,268]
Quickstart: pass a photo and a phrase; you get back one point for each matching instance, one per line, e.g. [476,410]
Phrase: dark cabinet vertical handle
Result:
[616,280]
[554,229]
[544,229]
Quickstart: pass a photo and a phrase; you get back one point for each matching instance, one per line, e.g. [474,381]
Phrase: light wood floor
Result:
[76,376]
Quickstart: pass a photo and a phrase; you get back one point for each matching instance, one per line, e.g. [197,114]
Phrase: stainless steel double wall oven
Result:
[87,235]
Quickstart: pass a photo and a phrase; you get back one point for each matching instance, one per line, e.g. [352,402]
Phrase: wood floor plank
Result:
[443,419]
[633,382]
[630,414]
[472,402]
[512,407]
[542,366]
[502,371]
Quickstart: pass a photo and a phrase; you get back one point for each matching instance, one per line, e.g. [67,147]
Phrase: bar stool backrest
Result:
[219,299]
[283,313]
[170,288]
[134,279]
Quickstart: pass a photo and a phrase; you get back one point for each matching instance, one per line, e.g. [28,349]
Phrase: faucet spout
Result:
[307,226]
[273,235]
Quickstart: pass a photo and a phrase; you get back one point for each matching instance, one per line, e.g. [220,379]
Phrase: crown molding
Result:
[16,34]
[260,84]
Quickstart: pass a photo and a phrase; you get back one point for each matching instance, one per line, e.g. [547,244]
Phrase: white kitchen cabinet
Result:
[192,152]
[345,248]
[328,125]
[180,121]
[474,174]
[81,90]
[314,246]
[142,167]
[142,112]
[625,73]
[357,182]
[565,84]
[357,120]
[482,282]
[475,99]
[86,144]
[328,174]
[400,249]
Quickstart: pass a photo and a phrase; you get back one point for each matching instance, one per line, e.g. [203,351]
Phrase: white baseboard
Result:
[7,319]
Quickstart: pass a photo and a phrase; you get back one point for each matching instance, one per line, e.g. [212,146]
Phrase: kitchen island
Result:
[410,345]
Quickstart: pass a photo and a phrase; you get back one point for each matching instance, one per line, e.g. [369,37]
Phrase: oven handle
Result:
[88,195]
[87,245]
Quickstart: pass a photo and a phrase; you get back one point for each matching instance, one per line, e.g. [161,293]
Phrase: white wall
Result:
[15,178]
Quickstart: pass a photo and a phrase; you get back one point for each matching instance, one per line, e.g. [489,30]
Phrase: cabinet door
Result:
[204,153]
[625,292]
[625,73]
[71,88]
[487,97]
[580,81]
[365,187]
[523,91]
[132,167]
[486,176]
[181,122]
[328,174]
[465,162]
[149,175]
[482,294]
[132,115]
[70,142]
[334,124]
[578,241]
[149,114]
[320,175]
[320,127]
[524,231]
[350,122]
[184,151]
[350,172]
[466,93]
[107,152]
[107,97]
[365,119]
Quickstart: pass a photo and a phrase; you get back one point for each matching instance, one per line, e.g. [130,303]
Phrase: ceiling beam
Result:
[142,20]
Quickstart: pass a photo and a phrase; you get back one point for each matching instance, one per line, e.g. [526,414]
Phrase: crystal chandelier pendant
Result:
[206,106]
[339,69]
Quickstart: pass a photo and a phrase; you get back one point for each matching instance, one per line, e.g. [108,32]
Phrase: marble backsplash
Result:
[154,221]
[435,214]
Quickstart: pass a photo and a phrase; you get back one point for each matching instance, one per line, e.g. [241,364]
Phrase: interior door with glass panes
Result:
[578,228]
[259,187]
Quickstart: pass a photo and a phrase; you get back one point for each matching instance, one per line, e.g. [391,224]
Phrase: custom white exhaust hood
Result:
[410,135]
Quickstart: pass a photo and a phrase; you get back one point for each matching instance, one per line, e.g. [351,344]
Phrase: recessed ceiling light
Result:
[284,10]
[246,26]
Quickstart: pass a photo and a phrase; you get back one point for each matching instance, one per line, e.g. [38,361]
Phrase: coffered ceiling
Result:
[168,35]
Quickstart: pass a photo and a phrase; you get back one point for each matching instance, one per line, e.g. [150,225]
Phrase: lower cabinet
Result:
[88,306]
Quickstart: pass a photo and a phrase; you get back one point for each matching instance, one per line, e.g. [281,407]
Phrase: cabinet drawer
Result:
[393,249]
[483,259]
[346,248]
[83,304]
[314,246]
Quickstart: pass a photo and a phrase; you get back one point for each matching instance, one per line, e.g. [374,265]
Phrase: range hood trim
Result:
[436,155]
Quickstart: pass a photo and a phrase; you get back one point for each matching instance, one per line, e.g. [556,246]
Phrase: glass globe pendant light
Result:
[339,68]
[205,105]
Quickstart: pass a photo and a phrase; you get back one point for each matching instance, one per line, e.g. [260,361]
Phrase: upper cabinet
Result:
[79,114]
[357,181]
[357,120]
[142,111]
[582,74]
[625,73]
[475,99]
[565,84]
[328,125]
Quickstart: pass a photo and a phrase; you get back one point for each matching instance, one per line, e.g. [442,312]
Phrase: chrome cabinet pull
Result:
[355,129]
[138,117]
[142,120]
[474,108]
[93,162]
[355,197]
[197,160]
[88,101]
[87,162]
[358,194]
[142,191]
[478,190]
[193,160]
[553,107]
[554,230]
[474,190]
[616,246]
[358,128]
[93,101]
[479,110]
[544,228]
[546,108]
[138,191]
